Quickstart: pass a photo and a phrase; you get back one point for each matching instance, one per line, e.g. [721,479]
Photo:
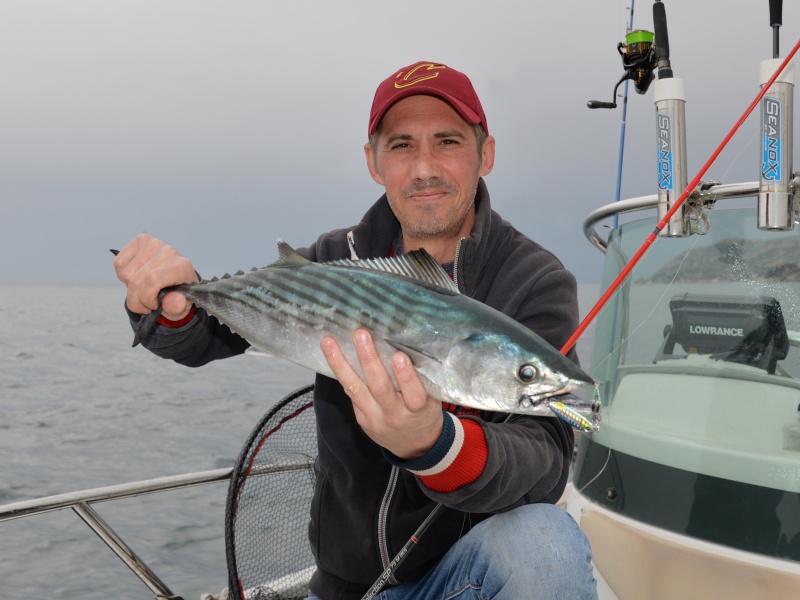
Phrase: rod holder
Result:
[776,186]
[670,100]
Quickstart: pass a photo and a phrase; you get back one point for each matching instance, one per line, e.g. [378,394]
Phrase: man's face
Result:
[427,158]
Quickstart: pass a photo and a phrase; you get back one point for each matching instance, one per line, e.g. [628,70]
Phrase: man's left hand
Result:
[407,423]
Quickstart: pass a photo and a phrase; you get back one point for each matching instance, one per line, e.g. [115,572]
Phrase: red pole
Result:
[689,188]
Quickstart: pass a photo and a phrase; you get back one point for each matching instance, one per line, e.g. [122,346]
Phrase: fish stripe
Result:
[334,298]
[328,294]
[363,294]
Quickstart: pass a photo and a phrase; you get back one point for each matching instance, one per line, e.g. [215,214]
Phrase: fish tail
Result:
[146,324]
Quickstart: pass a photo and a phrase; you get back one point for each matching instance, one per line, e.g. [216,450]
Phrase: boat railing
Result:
[81,503]
[706,195]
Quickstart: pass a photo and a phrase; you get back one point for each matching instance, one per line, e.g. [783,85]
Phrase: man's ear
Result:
[372,164]
[487,156]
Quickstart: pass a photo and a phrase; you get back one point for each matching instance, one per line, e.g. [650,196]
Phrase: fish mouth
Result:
[541,400]
[560,387]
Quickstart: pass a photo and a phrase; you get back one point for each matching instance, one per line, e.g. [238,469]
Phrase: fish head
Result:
[503,375]
[547,374]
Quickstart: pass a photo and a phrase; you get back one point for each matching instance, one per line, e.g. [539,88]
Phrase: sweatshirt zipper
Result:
[455,261]
[383,518]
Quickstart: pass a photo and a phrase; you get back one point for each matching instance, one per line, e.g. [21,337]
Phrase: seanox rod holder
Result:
[776,186]
[670,99]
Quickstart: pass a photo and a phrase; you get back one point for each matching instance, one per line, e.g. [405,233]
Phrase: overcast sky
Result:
[221,126]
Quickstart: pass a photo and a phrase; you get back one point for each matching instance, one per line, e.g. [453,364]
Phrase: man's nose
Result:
[425,164]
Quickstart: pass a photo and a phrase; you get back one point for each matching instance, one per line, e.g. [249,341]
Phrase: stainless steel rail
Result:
[80,502]
[121,549]
[705,195]
[111,492]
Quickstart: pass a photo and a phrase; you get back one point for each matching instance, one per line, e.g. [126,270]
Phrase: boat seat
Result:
[268,507]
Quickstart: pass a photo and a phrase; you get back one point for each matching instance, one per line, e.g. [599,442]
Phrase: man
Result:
[387,456]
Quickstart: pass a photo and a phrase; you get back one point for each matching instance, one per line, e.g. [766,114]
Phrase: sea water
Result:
[80,408]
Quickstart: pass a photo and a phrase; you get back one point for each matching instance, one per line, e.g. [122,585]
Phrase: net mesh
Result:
[267,515]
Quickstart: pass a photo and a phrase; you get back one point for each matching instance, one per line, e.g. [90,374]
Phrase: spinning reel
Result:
[639,59]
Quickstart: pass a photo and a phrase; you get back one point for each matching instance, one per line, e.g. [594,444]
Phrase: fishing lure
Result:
[574,418]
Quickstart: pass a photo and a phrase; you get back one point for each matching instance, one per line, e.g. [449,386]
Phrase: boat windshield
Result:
[697,358]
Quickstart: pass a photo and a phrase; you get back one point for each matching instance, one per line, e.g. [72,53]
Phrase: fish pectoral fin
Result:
[417,355]
[252,351]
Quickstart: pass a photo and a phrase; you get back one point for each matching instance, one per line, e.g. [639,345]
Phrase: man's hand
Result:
[407,423]
[146,266]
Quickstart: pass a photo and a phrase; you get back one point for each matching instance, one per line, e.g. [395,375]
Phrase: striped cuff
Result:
[162,320]
[456,459]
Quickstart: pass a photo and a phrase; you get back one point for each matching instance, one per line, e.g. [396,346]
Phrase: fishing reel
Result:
[639,60]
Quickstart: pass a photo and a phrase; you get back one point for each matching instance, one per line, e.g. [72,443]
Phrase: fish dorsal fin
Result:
[289,257]
[417,264]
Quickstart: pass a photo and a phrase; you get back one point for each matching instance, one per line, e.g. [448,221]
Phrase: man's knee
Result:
[535,550]
[539,529]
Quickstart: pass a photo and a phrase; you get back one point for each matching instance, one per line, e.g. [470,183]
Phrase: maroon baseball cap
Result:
[433,79]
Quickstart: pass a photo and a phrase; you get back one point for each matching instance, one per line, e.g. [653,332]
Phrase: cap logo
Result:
[421,72]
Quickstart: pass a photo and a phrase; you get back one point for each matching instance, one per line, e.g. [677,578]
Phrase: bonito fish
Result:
[464,351]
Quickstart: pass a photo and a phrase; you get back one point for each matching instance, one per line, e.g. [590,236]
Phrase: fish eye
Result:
[527,373]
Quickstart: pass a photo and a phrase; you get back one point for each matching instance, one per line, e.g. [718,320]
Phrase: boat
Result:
[689,484]
[690,488]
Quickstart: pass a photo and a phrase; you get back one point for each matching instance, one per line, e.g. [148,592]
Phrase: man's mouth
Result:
[427,195]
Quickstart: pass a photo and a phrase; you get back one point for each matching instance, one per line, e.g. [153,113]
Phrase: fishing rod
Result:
[400,556]
[775,21]
[624,121]
[663,62]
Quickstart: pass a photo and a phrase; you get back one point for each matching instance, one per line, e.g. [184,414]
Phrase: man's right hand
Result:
[146,266]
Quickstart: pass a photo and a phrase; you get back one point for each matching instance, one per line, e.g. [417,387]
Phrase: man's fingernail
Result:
[400,360]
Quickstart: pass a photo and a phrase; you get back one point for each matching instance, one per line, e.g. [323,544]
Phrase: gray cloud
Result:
[222,126]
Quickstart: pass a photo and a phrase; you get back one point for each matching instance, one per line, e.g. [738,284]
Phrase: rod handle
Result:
[598,104]
[662,40]
[775,13]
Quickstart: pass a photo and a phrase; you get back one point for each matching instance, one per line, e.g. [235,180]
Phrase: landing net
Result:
[267,515]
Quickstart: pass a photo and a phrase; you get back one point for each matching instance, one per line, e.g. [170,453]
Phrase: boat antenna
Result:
[776,20]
